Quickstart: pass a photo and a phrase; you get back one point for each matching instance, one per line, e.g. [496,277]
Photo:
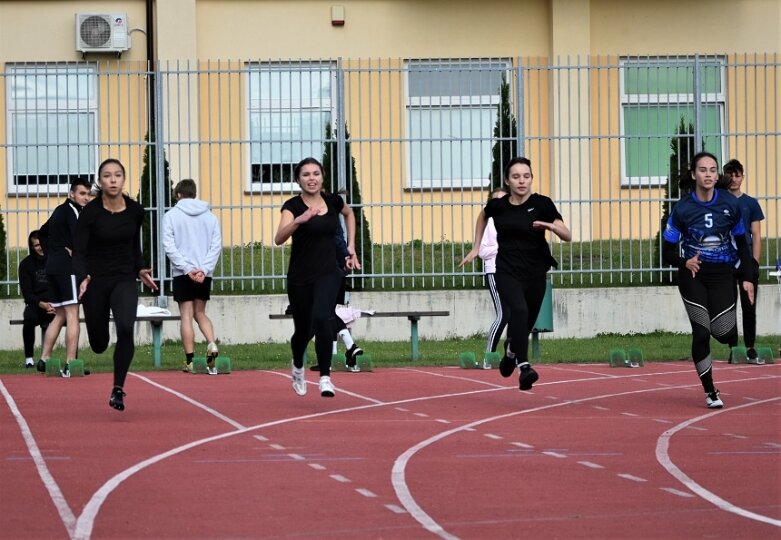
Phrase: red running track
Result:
[591,452]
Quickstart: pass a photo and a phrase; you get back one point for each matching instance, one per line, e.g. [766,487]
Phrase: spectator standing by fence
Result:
[313,277]
[709,228]
[34,285]
[193,242]
[108,259]
[752,216]
[523,259]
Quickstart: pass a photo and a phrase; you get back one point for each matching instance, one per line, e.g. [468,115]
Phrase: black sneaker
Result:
[351,358]
[29,365]
[506,366]
[713,401]
[117,401]
[752,357]
[527,378]
[41,365]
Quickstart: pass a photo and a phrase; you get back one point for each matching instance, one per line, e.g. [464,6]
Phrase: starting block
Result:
[76,368]
[491,360]
[365,362]
[199,365]
[621,358]
[738,355]
[765,355]
[53,368]
[223,365]
[467,360]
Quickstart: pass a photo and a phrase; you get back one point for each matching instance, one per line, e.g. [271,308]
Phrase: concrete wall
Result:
[576,313]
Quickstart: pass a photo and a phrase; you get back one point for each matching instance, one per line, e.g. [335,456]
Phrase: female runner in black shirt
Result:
[313,277]
[107,260]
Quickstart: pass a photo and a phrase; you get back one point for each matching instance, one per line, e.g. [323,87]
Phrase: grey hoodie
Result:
[192,237]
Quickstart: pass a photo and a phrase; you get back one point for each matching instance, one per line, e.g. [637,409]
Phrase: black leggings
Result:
[710,301]
[33,318]
[523,299]
[749,309]
[502,315]
[107,295]
[313,315]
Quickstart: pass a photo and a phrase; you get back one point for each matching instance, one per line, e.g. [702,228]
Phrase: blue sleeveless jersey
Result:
[707,228]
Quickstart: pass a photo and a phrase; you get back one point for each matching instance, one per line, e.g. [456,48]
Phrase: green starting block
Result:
[223,365]
[365,362]
[765,355]
[467,360]
[53,367]
[76,368]
[491,360]
[739,355]
[200,366]
[632,358]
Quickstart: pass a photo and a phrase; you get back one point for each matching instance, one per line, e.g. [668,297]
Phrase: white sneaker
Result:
[713,401]
[299,381]
[211,353]
[327,387]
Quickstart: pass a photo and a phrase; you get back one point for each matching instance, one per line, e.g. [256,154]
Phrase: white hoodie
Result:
[191,237]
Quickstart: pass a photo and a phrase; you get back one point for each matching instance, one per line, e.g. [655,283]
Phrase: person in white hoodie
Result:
[488,249]
[193,241]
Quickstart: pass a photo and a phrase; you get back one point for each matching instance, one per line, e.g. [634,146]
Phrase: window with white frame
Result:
[657,96]
[451,112]
[289,108]
[52,113]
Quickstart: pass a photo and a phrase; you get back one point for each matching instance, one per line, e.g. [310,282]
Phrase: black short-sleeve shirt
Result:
[523,251]
[313,253]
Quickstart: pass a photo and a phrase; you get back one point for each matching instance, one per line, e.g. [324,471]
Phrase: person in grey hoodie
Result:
[193,242]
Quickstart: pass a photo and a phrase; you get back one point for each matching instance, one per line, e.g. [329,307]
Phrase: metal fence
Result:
[412,144]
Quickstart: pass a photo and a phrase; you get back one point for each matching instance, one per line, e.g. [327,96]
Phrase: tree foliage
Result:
[352,195]
[505,136]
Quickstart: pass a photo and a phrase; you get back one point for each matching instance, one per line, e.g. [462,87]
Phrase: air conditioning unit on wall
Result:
[102,32]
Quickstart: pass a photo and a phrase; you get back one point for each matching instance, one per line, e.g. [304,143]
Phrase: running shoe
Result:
[29,365]
[327,387]
[187,367]
[351,358]
[713,401]
[299,381]
[41,365]
[507,363]
[753,358]
[117,399]
[527,378]
[65,371]
[211,353]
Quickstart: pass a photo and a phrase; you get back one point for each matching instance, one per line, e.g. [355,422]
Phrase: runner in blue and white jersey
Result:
[708,226]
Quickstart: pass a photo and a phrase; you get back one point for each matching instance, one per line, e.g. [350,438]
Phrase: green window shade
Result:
[670,79]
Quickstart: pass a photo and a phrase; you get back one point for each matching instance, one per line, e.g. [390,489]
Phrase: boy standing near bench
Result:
[57,236]
[193,242]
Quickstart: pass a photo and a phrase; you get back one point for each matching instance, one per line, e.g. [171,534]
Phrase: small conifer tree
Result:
[505,136]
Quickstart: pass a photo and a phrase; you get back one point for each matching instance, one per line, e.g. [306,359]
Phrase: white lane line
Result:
[366,493]
[663,421]
[261,438]
[591,465]
[297,457]
[600,408]
[663,457]
[632,414]
[555,454]
[316,466]
[492,436]
[677,492]
[443,421]
[421,415]
[631,477]
[66,514]
[340,478]
[276,446]
[396,509]
[522,445]
[697,428]
[735,435]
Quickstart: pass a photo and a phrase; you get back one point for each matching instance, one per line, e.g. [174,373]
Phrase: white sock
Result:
[333,349]
[28,360]
[347,339]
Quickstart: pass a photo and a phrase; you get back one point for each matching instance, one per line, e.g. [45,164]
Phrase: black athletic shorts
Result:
[186,290]
[63,290]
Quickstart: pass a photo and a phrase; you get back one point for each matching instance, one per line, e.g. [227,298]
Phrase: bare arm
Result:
[349,221]
[557,227]
[756,240]
[479,230]
[288,224]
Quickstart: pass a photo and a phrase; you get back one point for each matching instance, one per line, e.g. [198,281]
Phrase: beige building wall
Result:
[229,32]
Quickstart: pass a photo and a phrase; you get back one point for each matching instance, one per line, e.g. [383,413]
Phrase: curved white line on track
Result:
[398,473]
[66,514]
[663,457]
